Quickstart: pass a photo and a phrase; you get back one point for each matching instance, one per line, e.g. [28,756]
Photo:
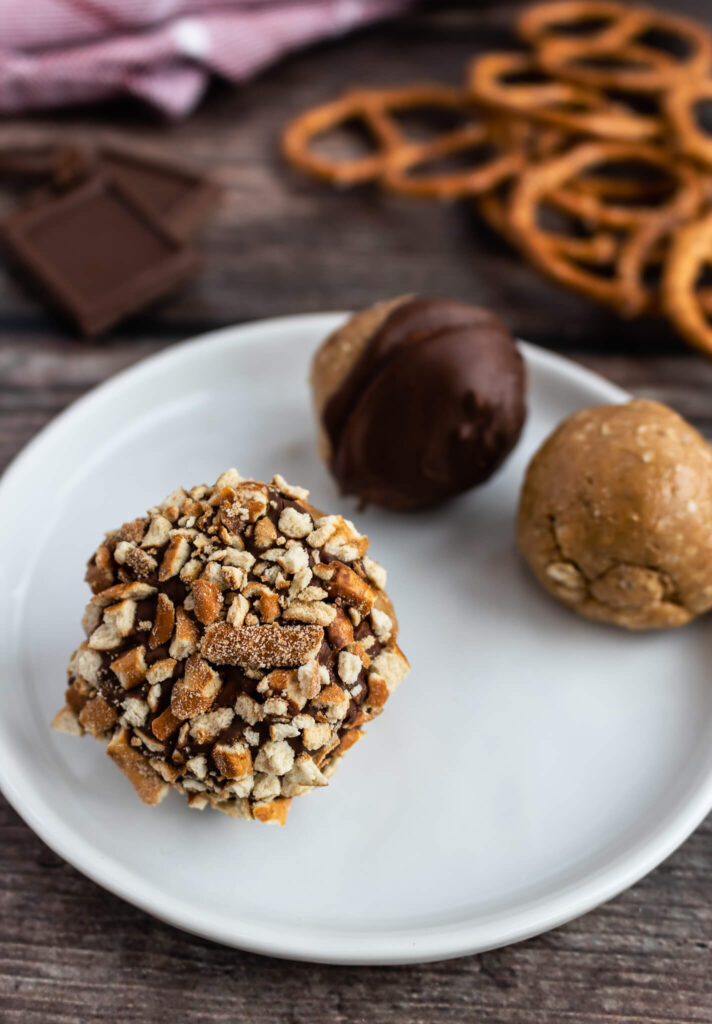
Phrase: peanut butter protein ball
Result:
[615,517]
[418,399]
[237,640]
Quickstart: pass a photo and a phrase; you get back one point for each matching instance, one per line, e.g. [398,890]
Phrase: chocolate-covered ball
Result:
[418,399]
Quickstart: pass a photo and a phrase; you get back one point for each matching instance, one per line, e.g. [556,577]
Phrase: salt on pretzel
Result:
[615,55]
[492,79]
[397,160]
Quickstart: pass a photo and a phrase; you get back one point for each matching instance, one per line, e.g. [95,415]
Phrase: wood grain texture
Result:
[71,953]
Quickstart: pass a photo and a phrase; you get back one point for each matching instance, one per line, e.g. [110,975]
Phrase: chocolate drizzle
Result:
[432,406]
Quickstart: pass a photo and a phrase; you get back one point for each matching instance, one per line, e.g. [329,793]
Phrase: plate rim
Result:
[441,942]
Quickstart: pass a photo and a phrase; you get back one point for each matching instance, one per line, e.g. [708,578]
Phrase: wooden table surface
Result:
[70,952]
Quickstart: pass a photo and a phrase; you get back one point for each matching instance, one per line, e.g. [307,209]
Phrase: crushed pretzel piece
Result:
[130,668]
[208,600]
[340,580]
[97,717]
[261,646]
[175,557]
[186,637]
[162,629]
[149,786]
[195,692]
[232,760]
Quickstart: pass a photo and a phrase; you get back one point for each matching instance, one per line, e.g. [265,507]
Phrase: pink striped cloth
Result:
[57,52]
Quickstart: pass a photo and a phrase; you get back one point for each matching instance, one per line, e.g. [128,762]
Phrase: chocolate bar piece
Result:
[181,197]
[98,252]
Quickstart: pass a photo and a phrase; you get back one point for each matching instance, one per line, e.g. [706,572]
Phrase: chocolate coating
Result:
[431,407]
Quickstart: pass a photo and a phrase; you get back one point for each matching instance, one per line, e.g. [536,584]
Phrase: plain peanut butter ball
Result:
[615,517]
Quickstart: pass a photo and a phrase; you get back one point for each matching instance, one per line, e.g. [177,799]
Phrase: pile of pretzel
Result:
[585,152]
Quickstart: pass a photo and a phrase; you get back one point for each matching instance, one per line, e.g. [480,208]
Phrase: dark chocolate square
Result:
[98,252]
[180,196]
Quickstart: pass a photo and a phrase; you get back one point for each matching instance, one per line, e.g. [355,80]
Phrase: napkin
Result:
[58,52]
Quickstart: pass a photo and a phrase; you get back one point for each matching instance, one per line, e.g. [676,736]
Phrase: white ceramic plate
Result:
[532,765]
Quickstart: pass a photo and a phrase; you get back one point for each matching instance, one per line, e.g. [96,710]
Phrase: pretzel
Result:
[615,70]
[496,164]
[590,59]
[600,250]
[549,131]
[566,105]
[639,231]
[618,282]
[539,22]
[535,141]
[688,307]
[679,105]
[597,249]
[361,105]
[561,172]
[396,157]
